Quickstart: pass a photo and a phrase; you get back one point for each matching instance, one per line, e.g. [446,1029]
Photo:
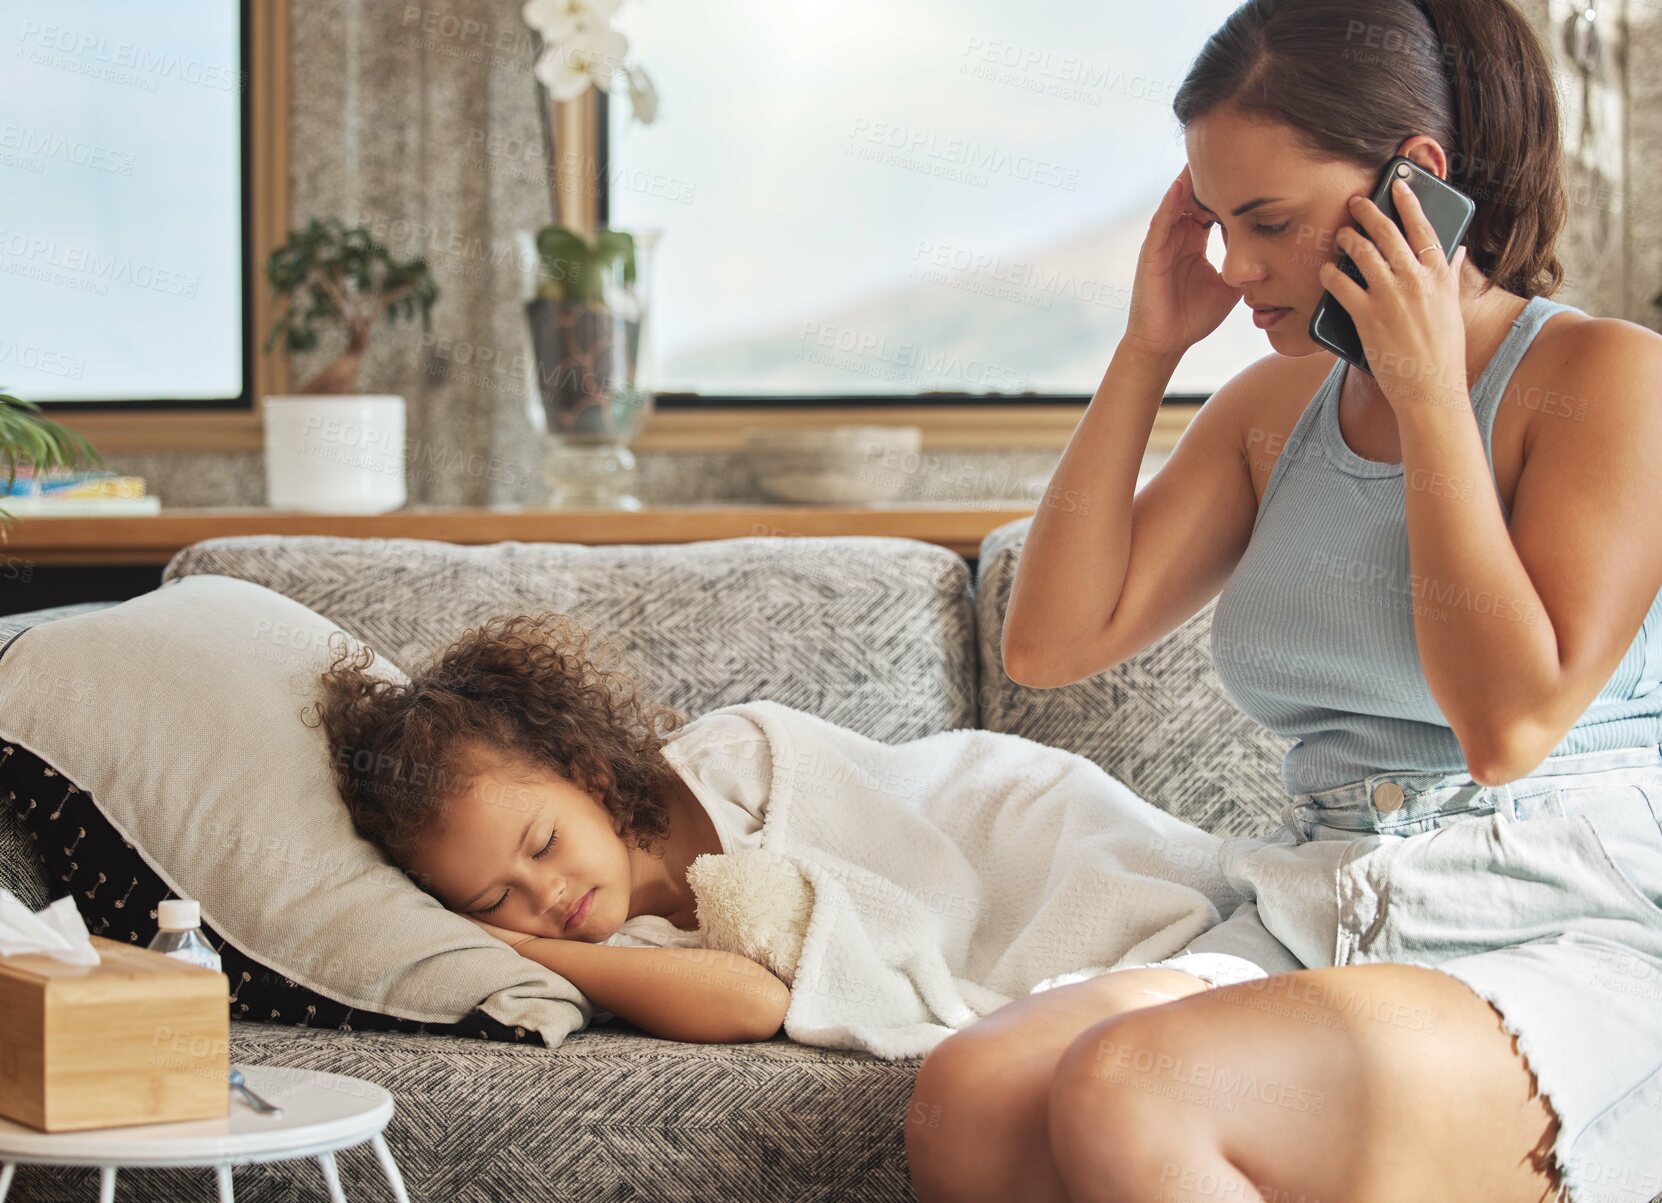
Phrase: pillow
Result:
[117,894]
[179,713]
[20,869]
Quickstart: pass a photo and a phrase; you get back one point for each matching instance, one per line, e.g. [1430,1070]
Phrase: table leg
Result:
[222,1175]
[6,1171]
[388,1166]
[106,1184]
[331,1176]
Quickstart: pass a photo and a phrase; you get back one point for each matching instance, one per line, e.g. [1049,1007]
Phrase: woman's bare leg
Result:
[1362,1084]
[976,1127]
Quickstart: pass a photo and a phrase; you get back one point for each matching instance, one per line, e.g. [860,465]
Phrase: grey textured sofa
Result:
[891,637]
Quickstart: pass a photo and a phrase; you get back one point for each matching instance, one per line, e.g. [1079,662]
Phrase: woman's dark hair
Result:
[1353,78]
[522,686]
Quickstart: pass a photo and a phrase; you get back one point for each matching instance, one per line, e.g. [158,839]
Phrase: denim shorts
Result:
[1542,894]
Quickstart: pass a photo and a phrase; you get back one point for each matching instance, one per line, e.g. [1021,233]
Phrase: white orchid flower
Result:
[643,96]
[567,68]
[558,20]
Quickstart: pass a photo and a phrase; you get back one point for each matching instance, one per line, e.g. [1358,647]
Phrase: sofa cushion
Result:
[1160,721]
[876,634]
[20,869]
[183,713]
[606,1116]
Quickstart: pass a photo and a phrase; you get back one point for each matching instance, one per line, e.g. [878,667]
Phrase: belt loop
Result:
[1291,818]
[1507,804]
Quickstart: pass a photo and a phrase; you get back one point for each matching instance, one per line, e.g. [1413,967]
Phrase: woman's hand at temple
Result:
[1179,297]
[1408,317]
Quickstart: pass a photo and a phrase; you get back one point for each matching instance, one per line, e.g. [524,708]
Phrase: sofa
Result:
[891,637]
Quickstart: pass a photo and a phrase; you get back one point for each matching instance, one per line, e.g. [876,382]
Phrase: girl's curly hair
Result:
[522,686]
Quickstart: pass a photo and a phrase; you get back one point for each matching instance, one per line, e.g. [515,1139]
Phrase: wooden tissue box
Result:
[140,1038]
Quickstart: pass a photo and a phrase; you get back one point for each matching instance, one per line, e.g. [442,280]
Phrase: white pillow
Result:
[180,713]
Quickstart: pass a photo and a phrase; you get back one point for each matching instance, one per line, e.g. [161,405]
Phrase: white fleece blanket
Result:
[905,891]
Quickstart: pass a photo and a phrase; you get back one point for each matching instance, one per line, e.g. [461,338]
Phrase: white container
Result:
[848,465]
[334,455]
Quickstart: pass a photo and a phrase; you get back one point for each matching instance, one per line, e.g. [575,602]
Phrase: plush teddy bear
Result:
[755,903]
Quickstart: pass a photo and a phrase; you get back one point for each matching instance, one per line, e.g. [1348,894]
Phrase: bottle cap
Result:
[179,914]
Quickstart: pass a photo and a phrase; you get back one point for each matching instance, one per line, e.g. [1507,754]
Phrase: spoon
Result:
[238,1082]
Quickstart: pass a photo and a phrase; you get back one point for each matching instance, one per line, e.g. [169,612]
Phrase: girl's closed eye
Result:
[537,855]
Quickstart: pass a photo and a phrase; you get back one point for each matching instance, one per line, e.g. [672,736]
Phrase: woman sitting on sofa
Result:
[1442,581]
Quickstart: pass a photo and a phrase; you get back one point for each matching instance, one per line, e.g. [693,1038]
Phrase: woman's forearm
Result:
[1074,562]
[702,995]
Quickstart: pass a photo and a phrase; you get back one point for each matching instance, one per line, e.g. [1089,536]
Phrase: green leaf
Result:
[618,245]
[565,264]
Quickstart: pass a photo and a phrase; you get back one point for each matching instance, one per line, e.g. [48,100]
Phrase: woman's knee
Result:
[962,1086]
[984,1091]
[948,1123]
[1115,1084]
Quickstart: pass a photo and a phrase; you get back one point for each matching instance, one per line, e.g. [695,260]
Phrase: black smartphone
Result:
[1447,209]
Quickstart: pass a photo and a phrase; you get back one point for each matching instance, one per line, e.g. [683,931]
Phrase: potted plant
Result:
[328,448]
[39,443]
[587,297]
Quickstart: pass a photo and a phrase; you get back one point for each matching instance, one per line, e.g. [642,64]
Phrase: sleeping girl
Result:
[526,786]
[875,896]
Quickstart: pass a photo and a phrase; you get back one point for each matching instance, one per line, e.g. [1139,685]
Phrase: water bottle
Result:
[181,936]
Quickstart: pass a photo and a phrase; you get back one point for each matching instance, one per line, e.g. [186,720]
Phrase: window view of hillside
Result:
[864,197]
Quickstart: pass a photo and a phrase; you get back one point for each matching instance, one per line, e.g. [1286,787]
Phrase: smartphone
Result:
[1447,209]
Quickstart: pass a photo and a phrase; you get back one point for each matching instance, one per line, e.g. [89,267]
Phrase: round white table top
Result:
[321,1112]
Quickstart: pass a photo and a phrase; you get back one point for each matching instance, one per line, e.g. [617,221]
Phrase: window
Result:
[124,236]
[872,200]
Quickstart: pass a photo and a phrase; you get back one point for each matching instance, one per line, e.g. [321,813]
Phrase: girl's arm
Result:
[702,995]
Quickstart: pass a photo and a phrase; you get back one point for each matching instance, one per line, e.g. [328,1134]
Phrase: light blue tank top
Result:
[1313,636]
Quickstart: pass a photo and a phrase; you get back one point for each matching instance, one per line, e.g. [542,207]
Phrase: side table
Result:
[321,1113]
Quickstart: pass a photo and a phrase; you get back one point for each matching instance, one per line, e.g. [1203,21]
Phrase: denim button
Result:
[1387,796]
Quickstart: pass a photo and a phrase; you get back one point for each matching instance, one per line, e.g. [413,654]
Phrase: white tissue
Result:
[56,931]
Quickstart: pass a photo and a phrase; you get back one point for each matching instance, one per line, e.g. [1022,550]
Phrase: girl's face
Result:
[522,847]
[1274,251]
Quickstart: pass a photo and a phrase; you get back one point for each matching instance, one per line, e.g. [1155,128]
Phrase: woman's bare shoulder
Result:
[1270,397]
[1599,371]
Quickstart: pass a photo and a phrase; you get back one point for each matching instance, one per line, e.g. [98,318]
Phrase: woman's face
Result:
[521,847]
[1275,250]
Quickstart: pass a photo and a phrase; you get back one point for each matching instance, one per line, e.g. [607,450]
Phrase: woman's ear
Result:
[1427,152]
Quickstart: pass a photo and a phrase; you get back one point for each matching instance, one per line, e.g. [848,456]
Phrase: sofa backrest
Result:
[1160,721]
[875,634]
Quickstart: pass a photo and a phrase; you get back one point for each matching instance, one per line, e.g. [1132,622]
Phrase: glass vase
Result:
[586,326]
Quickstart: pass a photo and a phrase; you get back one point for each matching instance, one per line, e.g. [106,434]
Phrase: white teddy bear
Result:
[754,903]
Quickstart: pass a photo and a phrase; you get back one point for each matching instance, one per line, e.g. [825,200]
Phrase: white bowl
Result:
[837,464]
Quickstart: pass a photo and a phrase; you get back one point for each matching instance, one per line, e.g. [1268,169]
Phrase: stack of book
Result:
[76,493]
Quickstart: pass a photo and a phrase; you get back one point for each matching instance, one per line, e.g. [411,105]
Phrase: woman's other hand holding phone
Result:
[1408,317]
[1179,297]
